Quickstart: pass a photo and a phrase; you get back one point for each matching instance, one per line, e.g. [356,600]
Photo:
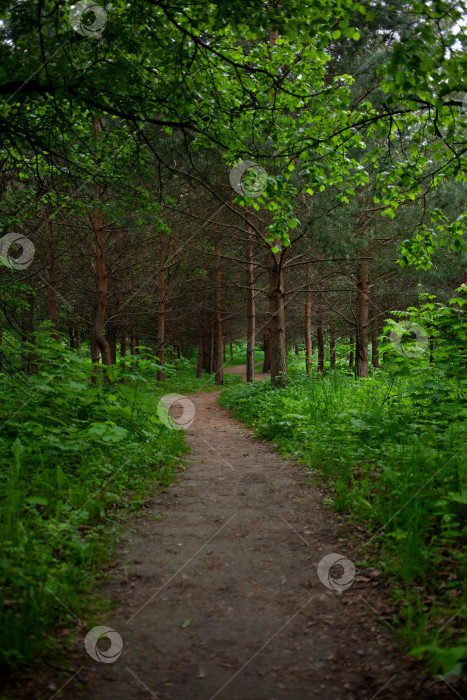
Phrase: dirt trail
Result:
[217,593]
[241,370]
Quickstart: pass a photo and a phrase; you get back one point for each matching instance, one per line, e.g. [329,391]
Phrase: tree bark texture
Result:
[320,339]
[374,333]
[217,359]
[78,336]
[161,312]
[201,334]
[361,349]
[121,300]
[267,359]
[112,335]
[332,346]
[277,346]
[250,280]
[51,280]
[100,298]
[308,341]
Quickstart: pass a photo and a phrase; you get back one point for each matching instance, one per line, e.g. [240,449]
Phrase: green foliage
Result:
[73,456]
[447,661]
[391,450]
[419,250]
[239,356]
[293,113]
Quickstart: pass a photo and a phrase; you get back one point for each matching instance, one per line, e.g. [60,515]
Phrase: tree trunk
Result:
[351,352]
[277,346]
[71,335]
[250,281]
[161,312]
[231,348]
[30,355]
[211,347]
[362,320]
[374,334]
[1,336]
[199,363]
[132,341]
[267,359]
[137,344]
[218,368]
[201,334]
[24,355]
[78,337]
[308,341]
[207,342]
[320,340]
[121,301]
[112,334]
[95,352]
[122,342]
[51,281]
[332,346]
[100,297]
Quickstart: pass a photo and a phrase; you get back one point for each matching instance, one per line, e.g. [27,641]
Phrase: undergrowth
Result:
[74,456]
[391,450]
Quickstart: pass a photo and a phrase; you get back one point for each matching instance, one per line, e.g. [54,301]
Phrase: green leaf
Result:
[37,501]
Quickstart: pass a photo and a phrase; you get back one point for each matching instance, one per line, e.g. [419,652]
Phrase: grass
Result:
[239,356]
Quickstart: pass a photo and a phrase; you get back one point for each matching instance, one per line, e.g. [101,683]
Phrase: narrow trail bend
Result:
[217,593]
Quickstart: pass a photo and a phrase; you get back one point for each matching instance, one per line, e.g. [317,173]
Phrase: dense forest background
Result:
[189,185]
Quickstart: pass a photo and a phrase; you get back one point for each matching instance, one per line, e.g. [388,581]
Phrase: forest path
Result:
[217,593]
[241,370]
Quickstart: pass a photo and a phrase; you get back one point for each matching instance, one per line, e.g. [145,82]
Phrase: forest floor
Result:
[216,590]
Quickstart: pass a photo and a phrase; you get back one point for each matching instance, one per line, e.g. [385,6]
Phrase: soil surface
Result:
[241,370]
[217,593]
